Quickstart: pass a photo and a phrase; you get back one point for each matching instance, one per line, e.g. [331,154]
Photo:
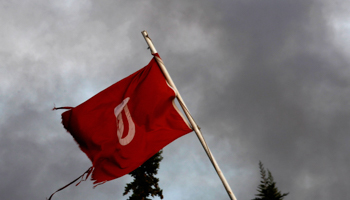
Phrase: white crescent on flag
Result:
[120,124]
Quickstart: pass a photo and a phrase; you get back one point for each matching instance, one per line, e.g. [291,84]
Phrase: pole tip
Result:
[149,42]
[144,33]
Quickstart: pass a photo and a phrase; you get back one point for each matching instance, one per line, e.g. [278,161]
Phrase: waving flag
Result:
[124,125]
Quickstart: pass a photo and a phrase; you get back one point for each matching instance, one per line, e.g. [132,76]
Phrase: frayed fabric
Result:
[66,107]
[83,177]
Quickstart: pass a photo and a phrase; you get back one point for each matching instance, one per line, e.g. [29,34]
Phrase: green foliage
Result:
[267,188]
[144,183]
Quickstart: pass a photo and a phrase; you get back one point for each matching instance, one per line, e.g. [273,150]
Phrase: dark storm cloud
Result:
[264,79]
[287,95]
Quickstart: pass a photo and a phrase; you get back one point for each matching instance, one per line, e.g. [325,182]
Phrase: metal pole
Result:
[188,115]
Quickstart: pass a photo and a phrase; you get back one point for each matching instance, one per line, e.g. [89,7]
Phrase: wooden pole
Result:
[189,117]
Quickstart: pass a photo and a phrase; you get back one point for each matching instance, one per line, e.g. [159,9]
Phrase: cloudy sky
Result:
[266,80]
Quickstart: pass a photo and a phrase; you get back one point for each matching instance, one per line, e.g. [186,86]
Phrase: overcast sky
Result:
[266,80]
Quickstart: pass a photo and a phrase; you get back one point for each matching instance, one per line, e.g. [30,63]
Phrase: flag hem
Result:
[177,109]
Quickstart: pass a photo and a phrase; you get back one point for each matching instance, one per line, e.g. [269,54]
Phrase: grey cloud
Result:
[265,80]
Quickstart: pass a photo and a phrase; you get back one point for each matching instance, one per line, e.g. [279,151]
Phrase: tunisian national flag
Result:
[124,125]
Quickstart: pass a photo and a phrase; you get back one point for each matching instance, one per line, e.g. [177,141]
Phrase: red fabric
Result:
[94,124]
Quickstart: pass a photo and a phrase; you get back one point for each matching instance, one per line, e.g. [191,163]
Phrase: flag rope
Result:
[188,115]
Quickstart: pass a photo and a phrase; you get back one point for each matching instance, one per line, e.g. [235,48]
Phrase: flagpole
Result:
[188,115]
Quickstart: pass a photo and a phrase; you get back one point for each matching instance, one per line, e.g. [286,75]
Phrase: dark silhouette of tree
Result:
[145,184]
[267,188]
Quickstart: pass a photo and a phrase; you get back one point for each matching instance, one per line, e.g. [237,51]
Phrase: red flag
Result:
[124,125]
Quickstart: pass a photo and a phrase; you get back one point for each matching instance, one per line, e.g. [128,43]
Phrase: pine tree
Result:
[145,183]
[267,188]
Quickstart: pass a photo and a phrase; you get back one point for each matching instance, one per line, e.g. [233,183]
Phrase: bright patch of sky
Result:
[342,33]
